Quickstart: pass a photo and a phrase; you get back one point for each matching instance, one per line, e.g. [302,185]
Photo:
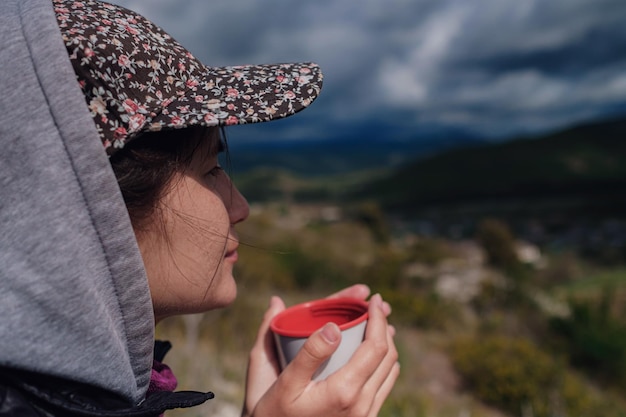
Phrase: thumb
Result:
[317,349]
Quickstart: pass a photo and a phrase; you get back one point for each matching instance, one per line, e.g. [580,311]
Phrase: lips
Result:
[232,256]
[231,250]
[231,253]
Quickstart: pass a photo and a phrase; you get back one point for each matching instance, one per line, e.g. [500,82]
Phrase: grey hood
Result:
[74,296]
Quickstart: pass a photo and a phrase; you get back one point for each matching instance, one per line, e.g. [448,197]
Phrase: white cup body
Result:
[351,338]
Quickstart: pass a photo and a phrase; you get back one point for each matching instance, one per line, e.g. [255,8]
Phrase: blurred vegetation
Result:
[594,339]
[510,358]
[520,378]
[499,244]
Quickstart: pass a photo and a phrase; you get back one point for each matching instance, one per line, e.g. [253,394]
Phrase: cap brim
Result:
[235,95]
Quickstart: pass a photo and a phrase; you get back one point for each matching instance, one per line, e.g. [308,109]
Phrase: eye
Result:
[215,171]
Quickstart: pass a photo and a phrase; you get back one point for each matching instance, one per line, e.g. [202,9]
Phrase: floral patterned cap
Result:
[136,78]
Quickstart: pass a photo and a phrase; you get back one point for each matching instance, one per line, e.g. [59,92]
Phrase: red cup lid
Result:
[304,319]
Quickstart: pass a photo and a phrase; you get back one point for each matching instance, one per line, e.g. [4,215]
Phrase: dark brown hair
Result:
[146,167]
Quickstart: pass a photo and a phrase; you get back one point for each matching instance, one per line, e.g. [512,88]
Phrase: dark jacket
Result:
[28,394]
[24,394]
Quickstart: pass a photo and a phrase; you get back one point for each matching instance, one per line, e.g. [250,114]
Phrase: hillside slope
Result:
[585,164]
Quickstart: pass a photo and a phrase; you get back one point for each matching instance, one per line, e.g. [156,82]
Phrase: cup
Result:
[294,325]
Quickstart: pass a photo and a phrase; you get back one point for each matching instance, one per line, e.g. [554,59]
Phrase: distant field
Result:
[593,284]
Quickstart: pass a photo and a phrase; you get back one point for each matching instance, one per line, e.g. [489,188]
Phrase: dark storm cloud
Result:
[491,67]
[594,49]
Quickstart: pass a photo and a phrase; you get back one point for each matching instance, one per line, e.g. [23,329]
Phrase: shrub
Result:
[372,216]
[595,340]
[562,269]
[421,310]
[513,374]
[497,240]
[402,406]
[262,269]
[385,272]
[308,271]
[429,251]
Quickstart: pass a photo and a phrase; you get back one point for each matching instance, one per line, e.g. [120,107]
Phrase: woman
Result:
[87,270]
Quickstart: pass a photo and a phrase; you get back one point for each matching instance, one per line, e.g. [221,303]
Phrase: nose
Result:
[239,209]
[236,204]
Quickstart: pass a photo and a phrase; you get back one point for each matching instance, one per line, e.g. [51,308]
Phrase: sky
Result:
[420,69]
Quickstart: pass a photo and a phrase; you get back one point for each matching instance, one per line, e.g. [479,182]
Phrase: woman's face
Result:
[190,246]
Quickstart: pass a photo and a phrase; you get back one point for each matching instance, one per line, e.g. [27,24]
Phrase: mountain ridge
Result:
[356,152]
[587,161]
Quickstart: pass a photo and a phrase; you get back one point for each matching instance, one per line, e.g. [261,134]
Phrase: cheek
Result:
[198,231]
[195,235]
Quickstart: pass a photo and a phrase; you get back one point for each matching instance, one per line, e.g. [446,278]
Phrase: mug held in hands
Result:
[294,325]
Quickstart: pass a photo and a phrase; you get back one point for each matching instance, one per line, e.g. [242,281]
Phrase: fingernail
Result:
[378,300]
[330,332]
[388,307]
[365,288]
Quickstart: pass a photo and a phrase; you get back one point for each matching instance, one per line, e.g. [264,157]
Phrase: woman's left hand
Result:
[263,365]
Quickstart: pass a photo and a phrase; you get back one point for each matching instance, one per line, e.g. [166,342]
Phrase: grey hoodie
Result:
[74,296]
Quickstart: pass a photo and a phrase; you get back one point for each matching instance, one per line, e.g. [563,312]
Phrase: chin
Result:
[231,297]
[224,296]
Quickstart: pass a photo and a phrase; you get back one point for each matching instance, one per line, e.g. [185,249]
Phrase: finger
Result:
[360,291]
[379,385]
[386,308]
[263,367]
[276,306]
[377,323]
[371,352]
[385,390]
[385,368]
[263,348]
[354,378]
[317,349]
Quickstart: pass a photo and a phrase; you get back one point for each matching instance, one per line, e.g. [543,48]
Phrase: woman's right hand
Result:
[356,390]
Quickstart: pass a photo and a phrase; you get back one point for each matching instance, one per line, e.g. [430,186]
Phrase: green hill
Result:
[584,166]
